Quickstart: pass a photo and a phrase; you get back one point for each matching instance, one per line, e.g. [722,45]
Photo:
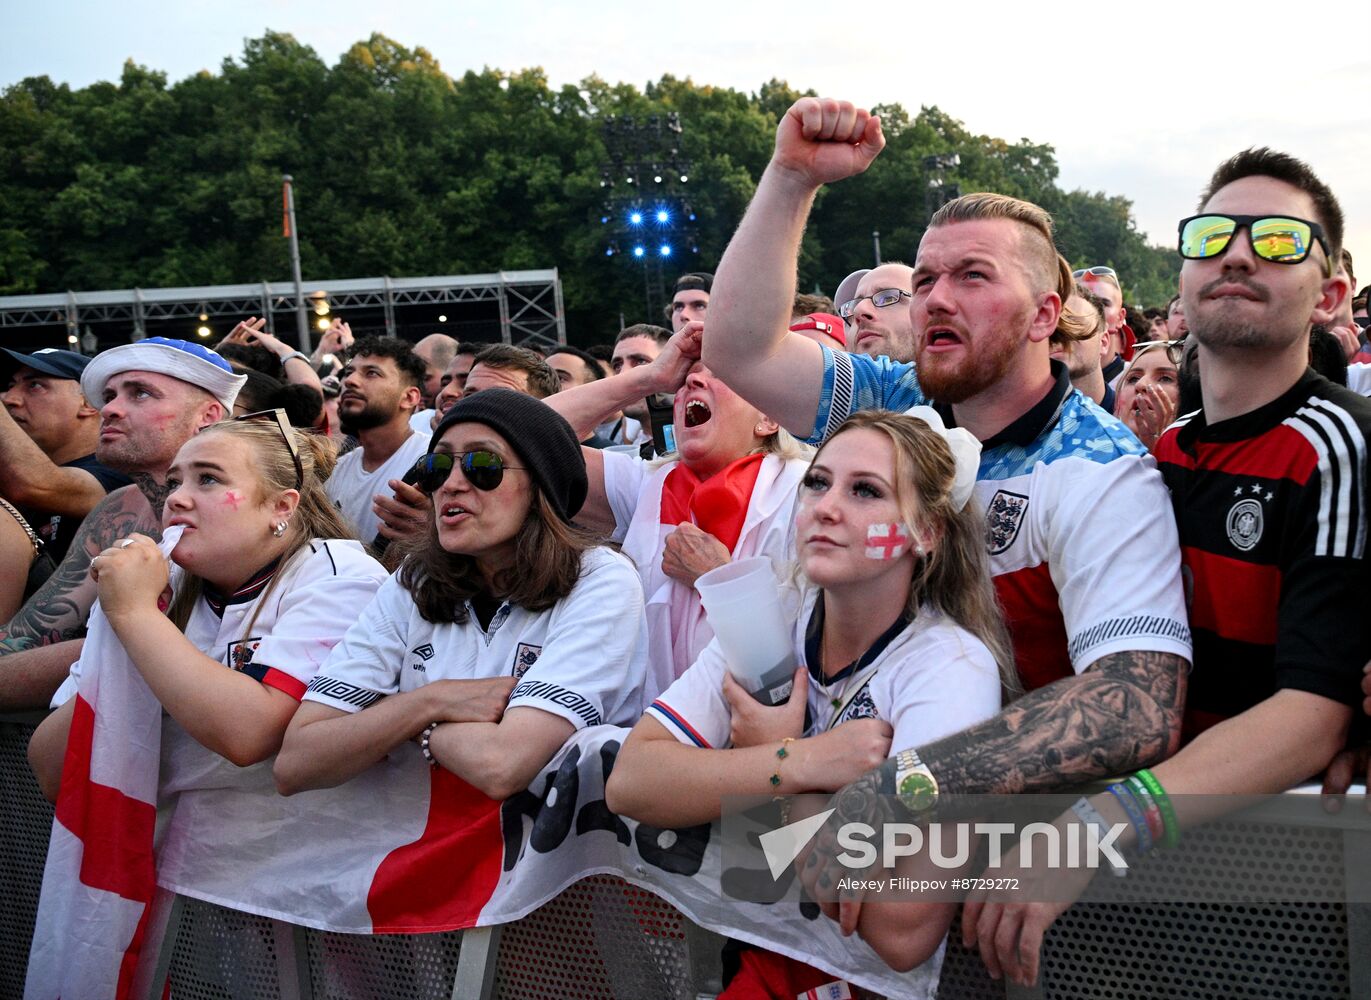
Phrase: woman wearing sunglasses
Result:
[265,580]
[899,634]
[1150,389]
[499,637]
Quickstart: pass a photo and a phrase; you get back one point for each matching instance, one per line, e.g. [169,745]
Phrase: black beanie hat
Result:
[540,436]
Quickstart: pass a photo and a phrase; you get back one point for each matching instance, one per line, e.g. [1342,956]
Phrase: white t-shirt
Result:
[352,489]
[933,679]
[299,617]
[422,423]
[583,659]
[1359,378]
[677,627]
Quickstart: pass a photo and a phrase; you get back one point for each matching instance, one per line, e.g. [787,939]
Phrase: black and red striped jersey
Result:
[1271,507]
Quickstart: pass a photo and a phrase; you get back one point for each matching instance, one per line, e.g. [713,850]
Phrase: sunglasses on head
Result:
[1097,272]
[483,469]
[1281,239]
[1175,349]
[880,299]
[282,424]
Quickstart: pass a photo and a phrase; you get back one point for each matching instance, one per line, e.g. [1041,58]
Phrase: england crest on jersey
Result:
[525,656]
[240,653]
[1003,518]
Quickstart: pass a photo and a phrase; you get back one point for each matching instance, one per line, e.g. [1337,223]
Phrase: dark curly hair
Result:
[411,367]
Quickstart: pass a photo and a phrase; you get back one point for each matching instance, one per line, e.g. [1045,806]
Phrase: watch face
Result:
[918,792]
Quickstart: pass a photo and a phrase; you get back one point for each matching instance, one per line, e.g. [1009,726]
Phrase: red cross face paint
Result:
[885,542]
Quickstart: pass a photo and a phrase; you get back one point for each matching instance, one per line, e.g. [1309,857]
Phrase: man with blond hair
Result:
[1105,684]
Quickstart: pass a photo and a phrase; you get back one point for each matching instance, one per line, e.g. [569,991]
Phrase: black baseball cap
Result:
[49,361]
[701,281]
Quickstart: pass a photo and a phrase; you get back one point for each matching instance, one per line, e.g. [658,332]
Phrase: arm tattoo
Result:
[1121,714]
[58,609]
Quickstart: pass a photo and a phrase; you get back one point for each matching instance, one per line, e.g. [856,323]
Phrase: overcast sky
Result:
[1139,100]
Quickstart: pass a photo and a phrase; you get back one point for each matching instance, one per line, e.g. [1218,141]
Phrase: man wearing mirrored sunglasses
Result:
[1261,268]
[1270,487]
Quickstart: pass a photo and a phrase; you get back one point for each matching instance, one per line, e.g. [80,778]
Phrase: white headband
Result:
[966,452]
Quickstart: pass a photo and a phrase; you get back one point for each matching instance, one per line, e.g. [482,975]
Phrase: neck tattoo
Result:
[155,492]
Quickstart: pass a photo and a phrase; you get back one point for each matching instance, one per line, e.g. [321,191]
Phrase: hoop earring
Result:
[280,529]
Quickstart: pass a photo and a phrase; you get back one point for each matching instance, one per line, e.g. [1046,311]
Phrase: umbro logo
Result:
[425,651]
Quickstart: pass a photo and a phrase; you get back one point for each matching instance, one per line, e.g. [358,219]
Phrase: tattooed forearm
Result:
[155,492]
[58,609]
[1122,714]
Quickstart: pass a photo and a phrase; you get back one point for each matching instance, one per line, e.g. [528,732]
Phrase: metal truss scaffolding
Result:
[530,303]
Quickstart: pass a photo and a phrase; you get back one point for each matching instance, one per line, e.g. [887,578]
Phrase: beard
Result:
[948,381]
[373,414]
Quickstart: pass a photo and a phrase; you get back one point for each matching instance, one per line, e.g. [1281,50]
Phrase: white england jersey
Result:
[1083,545]
[296,620]
[933,678]
[583,659]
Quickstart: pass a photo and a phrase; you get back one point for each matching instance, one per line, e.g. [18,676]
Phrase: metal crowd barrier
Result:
[603,938]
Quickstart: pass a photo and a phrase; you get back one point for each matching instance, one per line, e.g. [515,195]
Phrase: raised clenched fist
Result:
[822,140]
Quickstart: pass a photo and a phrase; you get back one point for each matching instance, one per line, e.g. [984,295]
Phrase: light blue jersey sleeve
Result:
[855,382]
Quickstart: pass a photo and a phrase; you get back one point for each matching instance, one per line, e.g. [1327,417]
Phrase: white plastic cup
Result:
[742,601]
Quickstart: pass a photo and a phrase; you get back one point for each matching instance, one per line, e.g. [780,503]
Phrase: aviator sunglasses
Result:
[483,469]
[1281,239]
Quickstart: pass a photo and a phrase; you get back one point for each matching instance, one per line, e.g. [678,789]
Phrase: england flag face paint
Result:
[886,541]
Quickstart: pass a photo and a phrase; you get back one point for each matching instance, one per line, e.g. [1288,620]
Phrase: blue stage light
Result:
[635,219]
[638,251]
[665,251]
[663,215]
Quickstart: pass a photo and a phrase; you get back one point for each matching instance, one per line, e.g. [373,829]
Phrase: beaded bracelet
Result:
[1135,816]
[423,744]
[1156,823]
[1173,826]
[782,752]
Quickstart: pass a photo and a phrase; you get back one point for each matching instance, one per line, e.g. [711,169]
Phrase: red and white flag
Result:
[100,876]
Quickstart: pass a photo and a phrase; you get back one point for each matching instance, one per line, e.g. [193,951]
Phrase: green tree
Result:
[401,169]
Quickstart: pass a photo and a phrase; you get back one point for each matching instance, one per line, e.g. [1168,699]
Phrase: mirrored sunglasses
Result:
[483,469]
[1281,239]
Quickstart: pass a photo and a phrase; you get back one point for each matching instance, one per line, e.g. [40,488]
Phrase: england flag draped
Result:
[99,879]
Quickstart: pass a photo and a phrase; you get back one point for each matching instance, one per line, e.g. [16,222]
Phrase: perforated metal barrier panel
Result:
[349,966]
[1120,947]
[25,824]
[603,938]
[221,954]
[964,976]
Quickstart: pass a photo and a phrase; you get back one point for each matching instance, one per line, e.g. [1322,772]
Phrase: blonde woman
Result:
[898,635]
[265,581]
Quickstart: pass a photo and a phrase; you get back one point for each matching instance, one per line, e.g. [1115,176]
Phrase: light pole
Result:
[302,323]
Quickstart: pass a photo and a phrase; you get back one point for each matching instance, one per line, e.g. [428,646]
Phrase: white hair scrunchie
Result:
[966,452]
